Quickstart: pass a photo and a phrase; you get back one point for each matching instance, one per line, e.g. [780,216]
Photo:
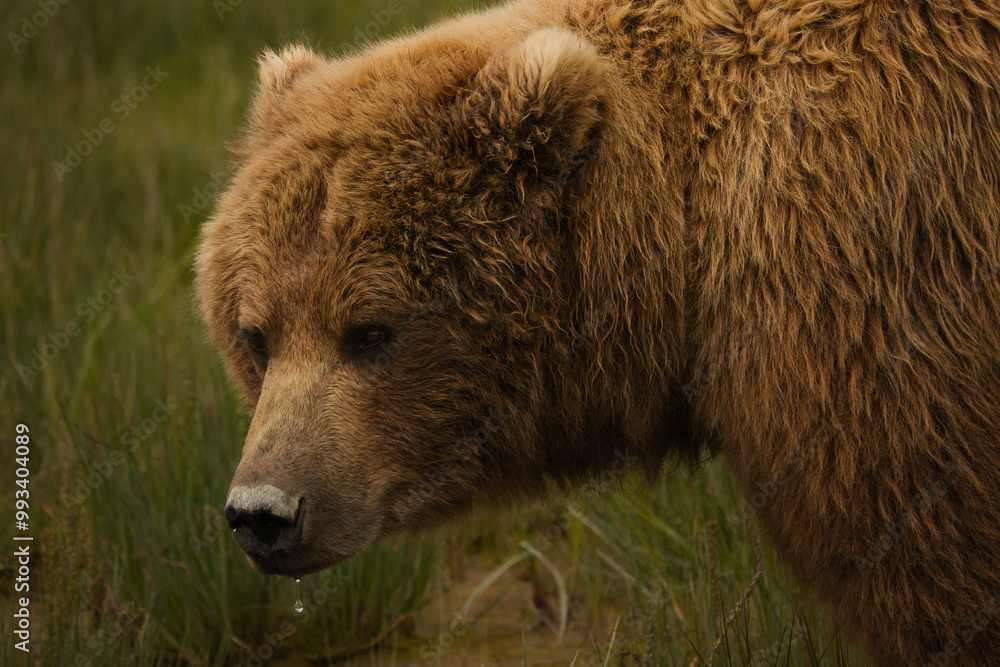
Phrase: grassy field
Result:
[117,122]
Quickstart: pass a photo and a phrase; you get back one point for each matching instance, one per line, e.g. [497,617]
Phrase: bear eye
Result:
[372,338]
[366,337]
[256,342]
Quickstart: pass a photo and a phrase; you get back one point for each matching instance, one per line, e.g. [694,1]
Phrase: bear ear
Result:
[534,108]
[277,71]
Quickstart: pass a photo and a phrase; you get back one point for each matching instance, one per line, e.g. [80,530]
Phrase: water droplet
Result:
[299,607]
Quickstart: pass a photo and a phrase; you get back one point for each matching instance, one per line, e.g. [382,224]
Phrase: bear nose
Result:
[265,526]
[263,518]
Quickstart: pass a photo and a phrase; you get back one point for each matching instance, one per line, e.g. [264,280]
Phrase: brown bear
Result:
[528,243]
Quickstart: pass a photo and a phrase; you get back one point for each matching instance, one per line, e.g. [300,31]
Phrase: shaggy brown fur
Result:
[764,229]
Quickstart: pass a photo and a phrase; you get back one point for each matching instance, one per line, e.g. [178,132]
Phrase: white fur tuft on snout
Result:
[265,498]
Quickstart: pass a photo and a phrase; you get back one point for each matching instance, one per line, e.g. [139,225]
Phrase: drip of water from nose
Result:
[299,607]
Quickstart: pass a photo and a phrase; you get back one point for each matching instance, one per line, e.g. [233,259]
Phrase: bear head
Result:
[387,280]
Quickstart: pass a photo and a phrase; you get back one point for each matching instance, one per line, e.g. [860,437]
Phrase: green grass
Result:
[135,432]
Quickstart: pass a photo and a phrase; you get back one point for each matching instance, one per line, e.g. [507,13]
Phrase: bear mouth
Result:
[283,564]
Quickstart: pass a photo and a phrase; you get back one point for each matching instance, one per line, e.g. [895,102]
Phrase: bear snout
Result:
[267,523]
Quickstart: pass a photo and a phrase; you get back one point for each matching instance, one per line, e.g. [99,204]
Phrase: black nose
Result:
[265,527]
[266,521]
